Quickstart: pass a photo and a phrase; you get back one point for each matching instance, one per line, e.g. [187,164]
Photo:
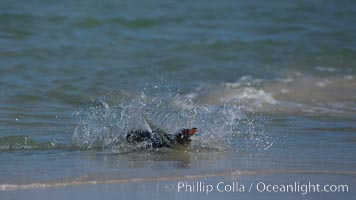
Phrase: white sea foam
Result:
[325,69]
[249,93]
[291,94]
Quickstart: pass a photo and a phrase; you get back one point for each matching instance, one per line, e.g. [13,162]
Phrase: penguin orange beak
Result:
[188,132]
[192,131]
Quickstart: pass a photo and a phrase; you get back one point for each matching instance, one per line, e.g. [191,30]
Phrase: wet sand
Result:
[226,185]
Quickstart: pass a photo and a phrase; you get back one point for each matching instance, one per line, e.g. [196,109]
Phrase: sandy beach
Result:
[302,185]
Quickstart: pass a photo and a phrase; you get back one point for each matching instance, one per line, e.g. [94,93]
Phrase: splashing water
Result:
[220,127]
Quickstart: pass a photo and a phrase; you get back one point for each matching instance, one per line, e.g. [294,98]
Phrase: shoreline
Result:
[231,174]
[167,187]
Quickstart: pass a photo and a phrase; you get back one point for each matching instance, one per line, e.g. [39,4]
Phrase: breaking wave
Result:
[294,93]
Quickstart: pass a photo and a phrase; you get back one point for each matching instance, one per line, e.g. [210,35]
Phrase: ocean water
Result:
[270,85]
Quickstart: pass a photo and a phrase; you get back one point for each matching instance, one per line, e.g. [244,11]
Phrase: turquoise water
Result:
[269,85]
